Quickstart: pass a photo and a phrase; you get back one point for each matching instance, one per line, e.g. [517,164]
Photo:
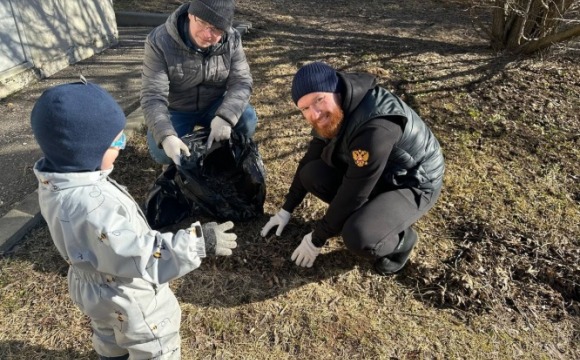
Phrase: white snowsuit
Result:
[119,267]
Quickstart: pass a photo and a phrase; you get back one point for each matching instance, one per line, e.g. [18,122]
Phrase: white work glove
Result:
[306,252]
[217,240]
[220,130]
[173,146]
[280,219]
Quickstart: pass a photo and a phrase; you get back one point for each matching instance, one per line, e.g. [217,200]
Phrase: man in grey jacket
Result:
[195,73]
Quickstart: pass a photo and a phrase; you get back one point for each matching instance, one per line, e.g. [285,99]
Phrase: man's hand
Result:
[281,219]
[217,240]
[220,130]
[306,252]
[173,146]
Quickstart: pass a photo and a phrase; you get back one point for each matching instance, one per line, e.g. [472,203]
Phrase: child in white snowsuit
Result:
[119,267]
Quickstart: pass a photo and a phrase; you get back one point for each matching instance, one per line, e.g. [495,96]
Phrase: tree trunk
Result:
[547,41]
[527,26]
[498,25]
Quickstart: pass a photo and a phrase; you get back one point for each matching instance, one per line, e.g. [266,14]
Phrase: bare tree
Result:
[527,26]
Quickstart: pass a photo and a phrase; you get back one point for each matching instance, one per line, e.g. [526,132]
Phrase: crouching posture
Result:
[119,268]
[371,158]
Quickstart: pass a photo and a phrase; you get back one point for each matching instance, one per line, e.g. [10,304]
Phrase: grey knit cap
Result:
[219,13]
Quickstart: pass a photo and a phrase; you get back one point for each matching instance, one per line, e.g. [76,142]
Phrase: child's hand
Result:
[217,240]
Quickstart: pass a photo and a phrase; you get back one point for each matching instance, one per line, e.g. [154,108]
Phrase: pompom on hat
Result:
[219,13]
[314,77]
[74,125]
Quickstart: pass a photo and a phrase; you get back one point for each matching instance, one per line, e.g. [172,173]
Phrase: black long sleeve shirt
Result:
[376,138]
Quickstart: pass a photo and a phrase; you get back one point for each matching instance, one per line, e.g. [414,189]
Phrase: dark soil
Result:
[497,267]
[508,126]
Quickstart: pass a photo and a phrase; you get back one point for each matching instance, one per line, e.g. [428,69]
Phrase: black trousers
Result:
[372,230]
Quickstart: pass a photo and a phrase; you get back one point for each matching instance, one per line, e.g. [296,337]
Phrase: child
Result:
[119,268]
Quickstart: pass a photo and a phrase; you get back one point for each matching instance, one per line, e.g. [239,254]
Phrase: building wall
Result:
[40,37]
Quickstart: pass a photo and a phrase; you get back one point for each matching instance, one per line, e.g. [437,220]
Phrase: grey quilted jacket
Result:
[97,227]
[177,77]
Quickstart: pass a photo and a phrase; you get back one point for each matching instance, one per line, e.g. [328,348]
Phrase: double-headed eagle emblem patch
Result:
[360,157]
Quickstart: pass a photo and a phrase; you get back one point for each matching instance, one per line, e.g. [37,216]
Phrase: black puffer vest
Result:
[416,159]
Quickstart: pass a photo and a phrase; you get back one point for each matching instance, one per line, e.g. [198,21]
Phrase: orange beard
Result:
[331,128]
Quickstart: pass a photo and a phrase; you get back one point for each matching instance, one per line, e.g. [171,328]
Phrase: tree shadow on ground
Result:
[486,269]
[20,350]
[259,269]
[489,269]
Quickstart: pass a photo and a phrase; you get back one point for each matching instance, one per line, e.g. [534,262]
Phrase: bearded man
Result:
[371,158]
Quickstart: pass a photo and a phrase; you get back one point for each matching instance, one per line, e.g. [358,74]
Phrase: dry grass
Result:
[496,274]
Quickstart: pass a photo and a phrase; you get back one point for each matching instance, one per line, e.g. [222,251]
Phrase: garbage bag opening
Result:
[226,182]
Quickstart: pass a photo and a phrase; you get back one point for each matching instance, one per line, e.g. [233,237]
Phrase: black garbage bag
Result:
[227,181]
[166,204]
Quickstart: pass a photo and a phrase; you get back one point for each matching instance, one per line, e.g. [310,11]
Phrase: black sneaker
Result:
[395,261]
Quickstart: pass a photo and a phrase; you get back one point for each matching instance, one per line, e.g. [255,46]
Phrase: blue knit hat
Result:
[314,77]
[75,124]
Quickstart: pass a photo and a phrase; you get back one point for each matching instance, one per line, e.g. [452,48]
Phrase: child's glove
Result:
[173,146]
[281,219]
[306,252]
[220,130]
[217,241]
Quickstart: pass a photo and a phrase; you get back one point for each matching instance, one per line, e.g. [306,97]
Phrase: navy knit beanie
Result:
[219,13]
[314,77]
[75,124]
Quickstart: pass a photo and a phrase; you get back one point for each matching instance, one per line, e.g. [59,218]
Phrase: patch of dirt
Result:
[499,255]
[508,127]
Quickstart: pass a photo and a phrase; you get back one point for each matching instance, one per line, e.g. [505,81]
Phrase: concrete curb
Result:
[18,221]
[135,121]
[25,215]
[130,18]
